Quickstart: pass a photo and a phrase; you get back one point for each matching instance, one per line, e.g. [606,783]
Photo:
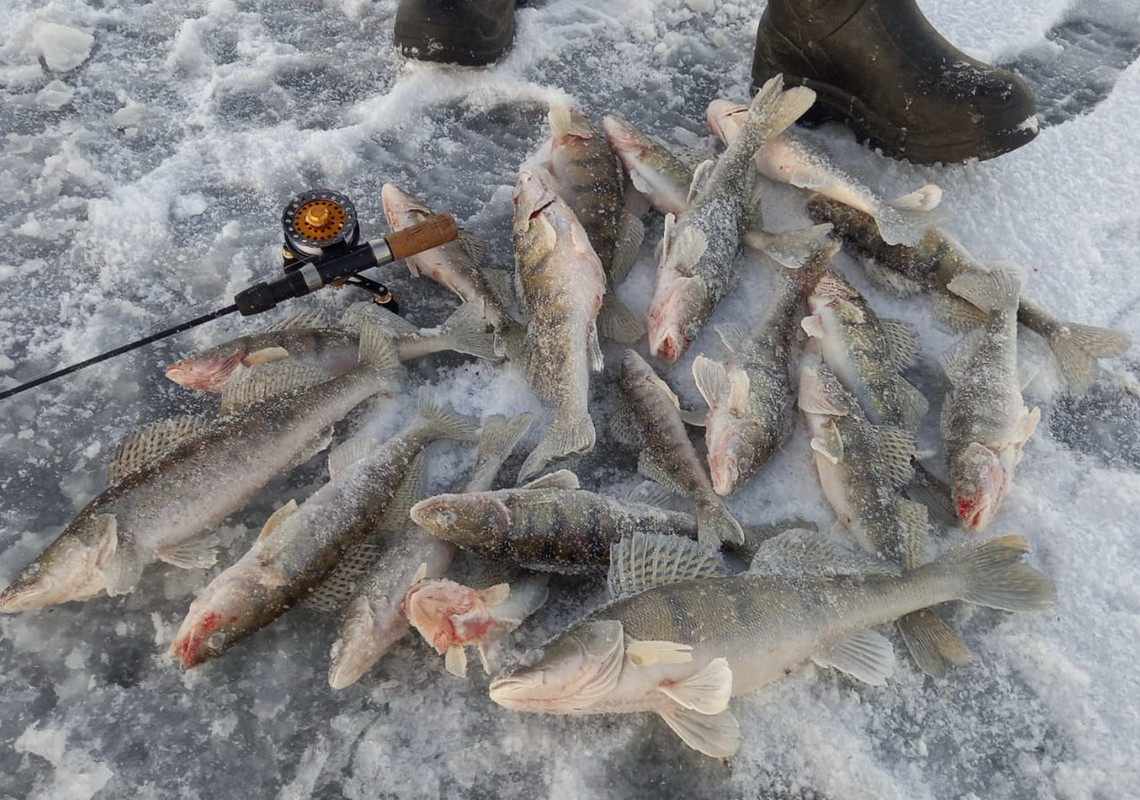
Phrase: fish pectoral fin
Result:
[495,595]
[616,322]
[276,518]
[630,235]
[830,448]
[149,443]
[864,654]
[196,554]
[124,568]
[706,692]
[717,735]
[813,326]
[646,653]
[455,661]
[700,179]
[731,335]
[266,355]
[642,561]
[624,427]
[345,455]
[560,479]
[694,418]
[712,381]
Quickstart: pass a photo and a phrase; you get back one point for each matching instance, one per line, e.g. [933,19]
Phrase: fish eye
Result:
[216,641]
[532,657]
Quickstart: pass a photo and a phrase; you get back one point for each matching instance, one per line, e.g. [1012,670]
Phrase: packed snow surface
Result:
[147,152]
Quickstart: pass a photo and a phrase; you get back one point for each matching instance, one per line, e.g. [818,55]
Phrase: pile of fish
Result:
[686,628]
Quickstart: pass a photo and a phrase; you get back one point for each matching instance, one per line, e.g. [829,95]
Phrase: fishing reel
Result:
[321,226]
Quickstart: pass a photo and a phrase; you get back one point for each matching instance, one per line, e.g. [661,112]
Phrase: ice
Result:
[147,152]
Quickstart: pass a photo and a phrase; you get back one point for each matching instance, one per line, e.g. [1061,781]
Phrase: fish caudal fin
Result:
[379,354]
[715,524]
[994,575]
[932,643]
[574,436]
[772,111]
[995,290]
[1077,348]
[445,423]
[467,331]
[616,322]
[793,249]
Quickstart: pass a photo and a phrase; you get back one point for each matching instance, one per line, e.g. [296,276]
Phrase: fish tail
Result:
[998,289]
[771,112]
[905,225]
[715,524]
[445,423]
[924,198]
[932,643]
[994,575]
[1077,348]
[616,322]
[467,331]
[567,437]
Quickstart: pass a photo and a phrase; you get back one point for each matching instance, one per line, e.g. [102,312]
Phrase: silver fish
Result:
[301,544]
[750,395]
[667,455]
[561,284]
[935,260]
[984,420]
[699,247]
[456,265]
[793,160]
[680,644]
[373,618]
[165,497]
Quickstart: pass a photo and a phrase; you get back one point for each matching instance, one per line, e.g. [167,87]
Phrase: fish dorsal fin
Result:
[455,660]
[332,594]
[898,449]
[712,381]
[630,235]
[700,179]
[717,735]
[902,342]
[955,361]
[913,404]
[149,443]
[276,518]
[864,654]
[798,551]
[562,479]
[648,653]
[348,453]
[251,385]
[472,244]
[706,692]
[309,318]
[390,323]
[913,521]
[642,561]
[407,494]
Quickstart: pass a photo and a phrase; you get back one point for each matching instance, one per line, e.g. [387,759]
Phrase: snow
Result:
[148,150]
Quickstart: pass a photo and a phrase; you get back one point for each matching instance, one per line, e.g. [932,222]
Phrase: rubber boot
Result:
[880,68]
[472,33]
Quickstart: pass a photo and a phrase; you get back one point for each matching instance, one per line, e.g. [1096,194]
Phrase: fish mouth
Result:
[975,511]
[668,346]
[517,692]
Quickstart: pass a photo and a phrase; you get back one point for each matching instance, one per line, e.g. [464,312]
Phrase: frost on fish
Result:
[682,639]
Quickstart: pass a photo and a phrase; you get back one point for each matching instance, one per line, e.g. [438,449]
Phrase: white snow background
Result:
[147,151]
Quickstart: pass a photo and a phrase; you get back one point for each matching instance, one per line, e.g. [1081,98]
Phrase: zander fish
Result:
[373,618]
[457,265]
[561,284]
[793,160]
[680,643]
[861,467]
[171,483]
[750,395]
[666,454]
[652,169]
[308,339]
[984,420]
[699,247]
[937,259]
[301,544]
[589,178]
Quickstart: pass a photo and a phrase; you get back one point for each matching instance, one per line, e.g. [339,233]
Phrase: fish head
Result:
[737,447]
[400,208]
[979,480]
[369,625]
[465,519]
[430,606]
[573,673]
[207,372]
[624,138]
[675,316]
[232,606]
[725,118]
[71,568]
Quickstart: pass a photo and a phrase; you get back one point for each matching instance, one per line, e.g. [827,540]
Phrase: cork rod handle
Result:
[432,232]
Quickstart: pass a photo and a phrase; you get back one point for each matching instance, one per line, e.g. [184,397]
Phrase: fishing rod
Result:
[322,248]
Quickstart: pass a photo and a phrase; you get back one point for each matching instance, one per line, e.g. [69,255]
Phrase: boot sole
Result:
[424,39]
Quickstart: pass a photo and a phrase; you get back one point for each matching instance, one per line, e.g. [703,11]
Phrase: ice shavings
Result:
[62,47]
[76,775]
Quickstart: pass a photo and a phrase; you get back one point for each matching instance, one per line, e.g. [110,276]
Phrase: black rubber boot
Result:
[473,33]
[880,68]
